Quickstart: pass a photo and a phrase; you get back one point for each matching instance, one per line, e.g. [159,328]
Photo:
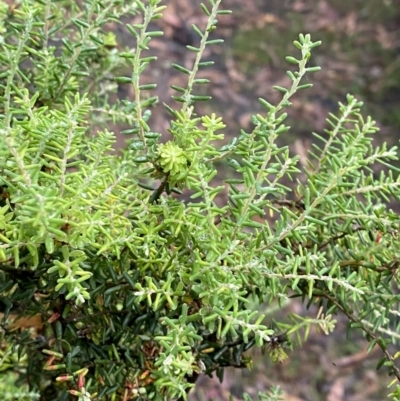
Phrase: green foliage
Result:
[12,392]
[138,291]
[274,395]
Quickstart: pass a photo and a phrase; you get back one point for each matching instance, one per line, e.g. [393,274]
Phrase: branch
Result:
[157,193]
[370,333]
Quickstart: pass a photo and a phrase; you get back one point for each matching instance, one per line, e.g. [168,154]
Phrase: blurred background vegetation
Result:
[360,54]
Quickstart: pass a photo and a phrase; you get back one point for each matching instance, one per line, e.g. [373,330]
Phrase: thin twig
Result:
[370,333]
[157,193]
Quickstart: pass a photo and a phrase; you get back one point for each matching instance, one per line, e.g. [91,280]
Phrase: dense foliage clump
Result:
[134,292]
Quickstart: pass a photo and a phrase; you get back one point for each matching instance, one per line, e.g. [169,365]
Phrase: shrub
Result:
[136,291]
